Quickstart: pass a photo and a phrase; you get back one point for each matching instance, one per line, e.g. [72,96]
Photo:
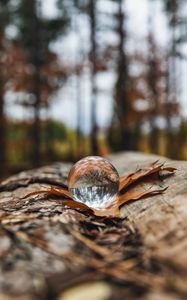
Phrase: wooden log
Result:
[51,252]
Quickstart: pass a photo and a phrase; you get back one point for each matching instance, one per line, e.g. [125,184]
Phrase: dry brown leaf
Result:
[132,187]
[114,209]
[147,170]
[53,191]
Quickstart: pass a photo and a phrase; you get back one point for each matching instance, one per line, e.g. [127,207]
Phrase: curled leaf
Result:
[132,187]
[53,191]
[141,173]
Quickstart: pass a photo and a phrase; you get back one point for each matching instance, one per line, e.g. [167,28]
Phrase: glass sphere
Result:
[94,181]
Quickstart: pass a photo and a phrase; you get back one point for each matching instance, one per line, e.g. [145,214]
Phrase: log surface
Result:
[37,236]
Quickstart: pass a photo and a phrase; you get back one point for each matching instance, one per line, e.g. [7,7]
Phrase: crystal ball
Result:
[94,181]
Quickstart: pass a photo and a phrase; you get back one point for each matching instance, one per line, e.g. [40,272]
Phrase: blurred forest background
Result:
[77,77]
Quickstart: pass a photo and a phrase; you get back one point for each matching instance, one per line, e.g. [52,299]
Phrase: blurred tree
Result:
[153,88]
[173,8]
[17,73]
[20,79]
[182,141]
[89,7]
[170,107]
[72,8]
[123,82]
[36,33]
[2,117]
[93,59]
[53,75]
[4,21]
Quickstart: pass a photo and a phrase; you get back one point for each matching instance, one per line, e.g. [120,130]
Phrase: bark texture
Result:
[48,252]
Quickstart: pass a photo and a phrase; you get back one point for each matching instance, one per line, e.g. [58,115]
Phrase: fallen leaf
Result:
[141,173]
[132,187]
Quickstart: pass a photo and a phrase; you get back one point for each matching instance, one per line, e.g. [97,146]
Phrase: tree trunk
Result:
[49,140]
[153,79]
[36,131]
[2,132]
[2,115]
[48,250]
[122,101]
[35,58]
[79,115]
[93,57]
[173,11]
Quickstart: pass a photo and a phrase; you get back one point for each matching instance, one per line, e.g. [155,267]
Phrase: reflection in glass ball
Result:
[94,181]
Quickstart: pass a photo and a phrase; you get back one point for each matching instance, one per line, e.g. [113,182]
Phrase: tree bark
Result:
[45,249]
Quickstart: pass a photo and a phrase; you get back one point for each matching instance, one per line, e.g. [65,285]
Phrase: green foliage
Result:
[58,130]
[16,130]
[54,133]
